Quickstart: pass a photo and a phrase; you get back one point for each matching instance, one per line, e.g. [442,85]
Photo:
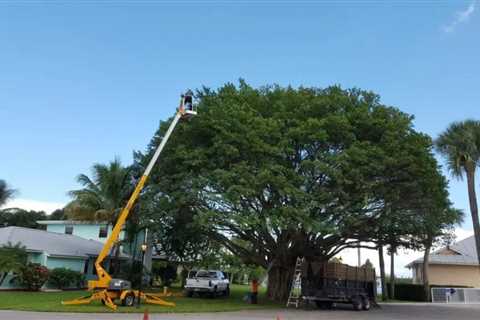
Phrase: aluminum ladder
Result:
[294,297]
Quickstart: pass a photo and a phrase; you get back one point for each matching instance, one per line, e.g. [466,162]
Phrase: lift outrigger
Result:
[107,289]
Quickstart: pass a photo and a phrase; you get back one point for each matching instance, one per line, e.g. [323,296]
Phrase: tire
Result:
[129,300]
[357,304]
[365,303]
[189,293]
[226,293]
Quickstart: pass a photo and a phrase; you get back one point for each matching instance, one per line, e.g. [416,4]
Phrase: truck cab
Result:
[212,283]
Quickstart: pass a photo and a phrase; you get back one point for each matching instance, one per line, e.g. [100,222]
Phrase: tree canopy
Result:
[292,172]
[21,218]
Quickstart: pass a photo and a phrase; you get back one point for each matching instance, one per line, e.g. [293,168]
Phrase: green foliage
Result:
[58,214]
[21,218]
[103,195]
[63,278]
[408,292]
[32,276]
[5,193]
[290,172]
[167,272]
[460,145]
[12,258]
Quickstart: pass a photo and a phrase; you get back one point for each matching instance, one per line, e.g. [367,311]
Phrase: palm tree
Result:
[5,193]
[460,145]
[103,195]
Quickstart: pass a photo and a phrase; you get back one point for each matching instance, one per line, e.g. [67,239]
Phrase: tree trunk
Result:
[382,273]
[473,207]
[279,282]
[426,283]
[3,277]
[392,272]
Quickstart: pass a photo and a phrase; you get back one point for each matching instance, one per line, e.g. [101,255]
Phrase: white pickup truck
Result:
[207,282]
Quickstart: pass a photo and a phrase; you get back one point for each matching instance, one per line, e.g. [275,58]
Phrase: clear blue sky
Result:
[81,83]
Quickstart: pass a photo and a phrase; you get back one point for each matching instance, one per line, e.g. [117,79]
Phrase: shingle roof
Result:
[70,222]
[467,254]
[56,244]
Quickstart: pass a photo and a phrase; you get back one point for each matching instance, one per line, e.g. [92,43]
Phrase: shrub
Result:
[165,271]
[12,258]
[63,278]
[409,292]
[32,276]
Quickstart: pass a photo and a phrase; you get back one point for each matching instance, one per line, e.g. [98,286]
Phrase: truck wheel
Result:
[129,300]
[365,303]
[189,293]
[357,304]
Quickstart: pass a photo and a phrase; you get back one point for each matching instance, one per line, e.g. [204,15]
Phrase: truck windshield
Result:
[206,274]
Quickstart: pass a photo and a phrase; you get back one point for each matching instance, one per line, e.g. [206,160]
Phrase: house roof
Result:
[466,254]
[70,222]
[55,244]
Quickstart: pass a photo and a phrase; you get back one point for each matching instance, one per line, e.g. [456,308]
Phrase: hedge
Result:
[414,292]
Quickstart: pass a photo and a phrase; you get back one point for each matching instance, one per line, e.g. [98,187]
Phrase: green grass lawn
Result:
[50,302]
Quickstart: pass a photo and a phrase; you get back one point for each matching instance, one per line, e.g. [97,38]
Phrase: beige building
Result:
[454,265]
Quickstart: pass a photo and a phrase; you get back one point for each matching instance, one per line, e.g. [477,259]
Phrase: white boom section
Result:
[162,144]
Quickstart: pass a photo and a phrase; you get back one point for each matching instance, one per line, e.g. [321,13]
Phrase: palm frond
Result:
[460,146]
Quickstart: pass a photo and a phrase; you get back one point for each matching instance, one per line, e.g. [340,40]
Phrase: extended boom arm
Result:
[103,277]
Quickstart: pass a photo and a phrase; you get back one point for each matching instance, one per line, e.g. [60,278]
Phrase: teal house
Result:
[70,244]
[98,231]
[53,250]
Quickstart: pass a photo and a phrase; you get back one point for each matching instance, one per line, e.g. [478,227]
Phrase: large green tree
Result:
[6,193]
[460,145]
[289,172]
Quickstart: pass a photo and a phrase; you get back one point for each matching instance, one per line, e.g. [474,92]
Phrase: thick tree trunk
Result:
[474,208]
[3,277]
[392,272]
[279,282]
[382,273]
[426,283]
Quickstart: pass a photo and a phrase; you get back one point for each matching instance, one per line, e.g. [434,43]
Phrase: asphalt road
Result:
[387,312]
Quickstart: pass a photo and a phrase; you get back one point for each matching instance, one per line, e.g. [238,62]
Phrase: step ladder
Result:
[294,298]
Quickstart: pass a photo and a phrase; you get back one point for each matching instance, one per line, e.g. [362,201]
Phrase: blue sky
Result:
[83,82]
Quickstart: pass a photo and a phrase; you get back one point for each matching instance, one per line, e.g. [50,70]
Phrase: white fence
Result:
[456,295]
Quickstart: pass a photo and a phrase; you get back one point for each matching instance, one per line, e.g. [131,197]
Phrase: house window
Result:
[68,229]
[85,268]
[103,233]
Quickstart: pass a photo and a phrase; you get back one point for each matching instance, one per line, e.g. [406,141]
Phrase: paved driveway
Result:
[387,312]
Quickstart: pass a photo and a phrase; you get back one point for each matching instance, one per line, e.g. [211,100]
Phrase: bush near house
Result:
[165,271]
[62,278]
[415,292]
[32,276]
[408,292]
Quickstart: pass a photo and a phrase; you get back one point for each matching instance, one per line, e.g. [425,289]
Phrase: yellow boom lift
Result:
[106,289]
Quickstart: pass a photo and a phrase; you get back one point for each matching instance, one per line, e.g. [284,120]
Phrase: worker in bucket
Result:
[188,100]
